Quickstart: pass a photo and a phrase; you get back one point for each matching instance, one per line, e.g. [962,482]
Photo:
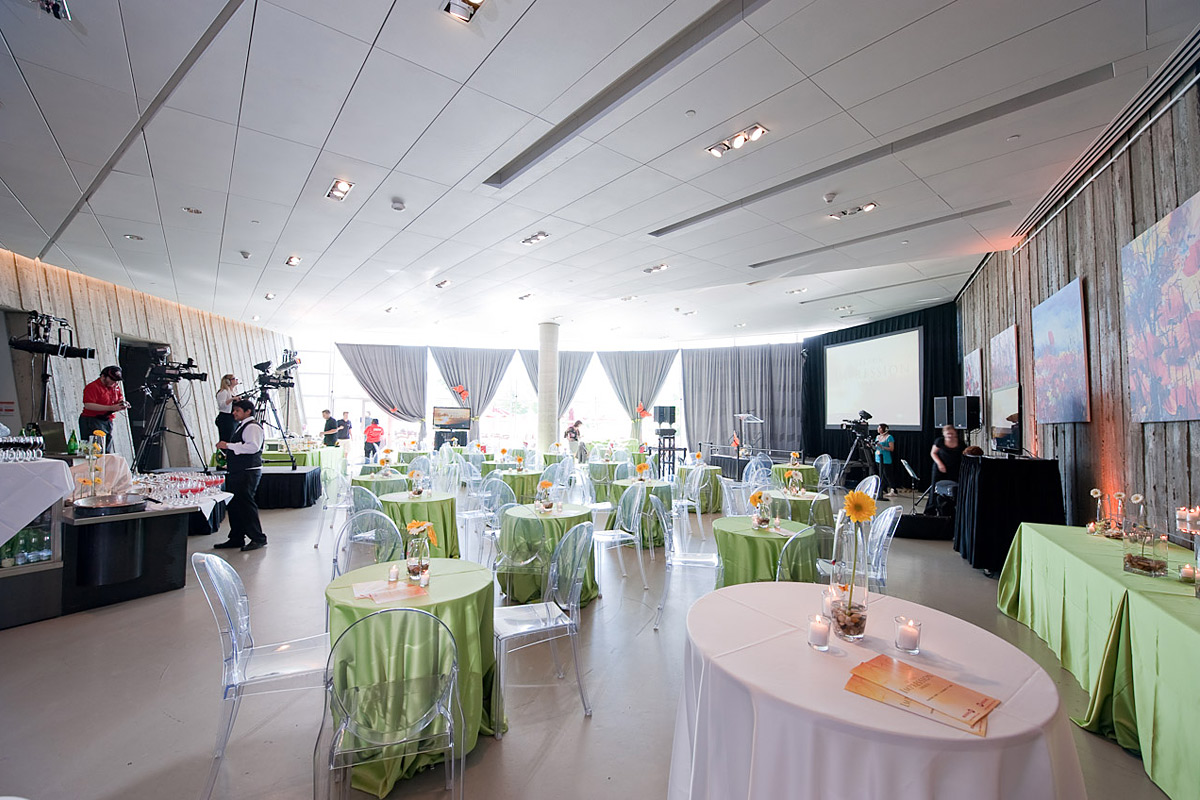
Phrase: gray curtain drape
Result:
[572,365]
[636,377]
[478,371]
[392,376]
[763,380]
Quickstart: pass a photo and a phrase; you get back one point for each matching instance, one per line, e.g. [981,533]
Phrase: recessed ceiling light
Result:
[691,112]
[339,189]
[756,132]
[801,290]
[655,268]
[534,239]
[255,318]
[688,313]
[738,140]
[292,261]
[133,237]
[191,210]
[740,325]
[269,295]
[835,217]
[1013,138]
[718,149]
[525,296]
[398,204]
[443,284]
[850,212]
[904,241]
[629,297]
[870,207]
[389,309]
[841,308]
[462,10]
[254,222]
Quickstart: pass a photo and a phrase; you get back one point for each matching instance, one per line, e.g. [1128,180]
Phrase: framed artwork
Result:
[1060,364]
[1002,359]
[1160,279]
[973,373]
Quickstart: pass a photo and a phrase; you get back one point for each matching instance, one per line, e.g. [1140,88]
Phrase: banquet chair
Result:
[781,507]
[446,477]
[383,701]
[812,507]
[514,553]
[883,530]
[823,464]
[869,486]
[734,498]
[337,497]
[422,464]
[580,490]
[793,561]
[697,493]
[555,617]
[620,454]
[493,493]
[248,668]
[550,474]
[624,471]
[628,530]
[368,537]
[362,499]
[759,461]
[678,555]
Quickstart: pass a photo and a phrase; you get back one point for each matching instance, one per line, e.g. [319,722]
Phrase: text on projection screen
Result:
[881,376]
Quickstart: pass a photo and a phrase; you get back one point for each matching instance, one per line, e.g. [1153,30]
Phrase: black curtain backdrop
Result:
[941,377]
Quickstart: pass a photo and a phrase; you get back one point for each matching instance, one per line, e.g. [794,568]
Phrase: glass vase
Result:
[418,560]
[760,516]
[1145,552]
[849,580]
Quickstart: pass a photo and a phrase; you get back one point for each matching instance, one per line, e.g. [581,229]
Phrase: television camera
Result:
[159,388]
[862,446]
[859,426]
[163,371]
[279,378]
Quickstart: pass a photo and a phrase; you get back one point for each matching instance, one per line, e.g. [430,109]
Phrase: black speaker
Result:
[941,411]
[966,412]
[664,414]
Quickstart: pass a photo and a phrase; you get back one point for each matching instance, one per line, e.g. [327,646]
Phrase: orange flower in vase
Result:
[543,502]
[415,527]
[795,459]
[520,463]
[642,469]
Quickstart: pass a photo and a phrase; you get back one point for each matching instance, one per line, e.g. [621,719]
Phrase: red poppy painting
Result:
[1060,368]
[1160,276]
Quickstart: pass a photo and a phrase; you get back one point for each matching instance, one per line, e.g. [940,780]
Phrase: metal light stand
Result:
[261,405]
[156,426]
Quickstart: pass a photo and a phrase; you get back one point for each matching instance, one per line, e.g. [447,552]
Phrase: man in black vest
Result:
[243,453]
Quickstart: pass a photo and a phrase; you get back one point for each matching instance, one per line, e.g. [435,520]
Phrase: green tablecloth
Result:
[487,467]
[327,458]
[800,504]
[1132,641]
[601,473]
[808,474]
[524,484]
[639,458]
[750,555]
[368,469]
[405,456]
[523,531]
[460,594]
[381,486]
[710,498]
[435,507]
[551,458]
[660,489]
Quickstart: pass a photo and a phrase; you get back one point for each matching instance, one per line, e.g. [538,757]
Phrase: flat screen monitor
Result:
[1005,419]
[451,417]
[880,375]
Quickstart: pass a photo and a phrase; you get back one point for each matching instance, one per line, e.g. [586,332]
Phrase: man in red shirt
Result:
[101,399]
[373,434]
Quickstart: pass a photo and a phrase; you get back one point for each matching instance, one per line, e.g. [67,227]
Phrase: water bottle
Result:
[73,444]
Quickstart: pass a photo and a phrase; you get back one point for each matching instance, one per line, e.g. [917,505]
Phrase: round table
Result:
[381,486]
[436,507]
[460,595]
[750,554]
[554,458]
[763,715]
[799,505]
[524,484]
[488,466]
[524,531]
[602,474]
[808,474]
[368,469]
[406,456]
[710,497]
[660,489]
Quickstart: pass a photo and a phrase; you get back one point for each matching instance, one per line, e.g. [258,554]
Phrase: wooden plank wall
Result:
[1158,172]
[100,312]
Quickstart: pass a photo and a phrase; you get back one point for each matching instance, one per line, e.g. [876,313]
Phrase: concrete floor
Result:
[121,703]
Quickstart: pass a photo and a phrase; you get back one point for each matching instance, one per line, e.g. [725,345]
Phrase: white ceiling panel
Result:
[450,213]
[35,173]
[441,258]
[259,250]
[85,230]
[355,244]
[417,195]
[561,247]
[115,231]
[506,222]
[555,226]
[586,172]
[363,23]
[898,206]
[405,248]
[88,120]
[269,168]
[735,222]
[646,215]
[852,187]
[213,86]
[190,149]
[126,197]
[192,250]
[135,160]
[91,47]
[159,35]
[750,248]
[318,65]
[392,103]
[641,184]
[247,219]
[173,198]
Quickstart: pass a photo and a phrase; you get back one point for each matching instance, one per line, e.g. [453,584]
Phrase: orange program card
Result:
[884,695]
[942,695]
[401,591]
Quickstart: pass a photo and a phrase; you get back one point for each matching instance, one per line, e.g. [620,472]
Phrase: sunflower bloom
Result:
[545,485]
[99,433]
[756,498]
[859,506]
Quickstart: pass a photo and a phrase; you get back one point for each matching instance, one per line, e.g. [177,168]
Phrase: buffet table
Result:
[460,595]
[1130,640]
[284,487]
[764,716]
[27,488]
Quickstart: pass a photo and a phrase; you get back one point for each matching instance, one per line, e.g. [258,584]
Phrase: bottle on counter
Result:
[73,444]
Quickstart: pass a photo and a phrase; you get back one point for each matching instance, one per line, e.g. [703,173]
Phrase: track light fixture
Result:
[865,208]
[292,261]
[462,10]
[738,140]
[532,240]
[339,189]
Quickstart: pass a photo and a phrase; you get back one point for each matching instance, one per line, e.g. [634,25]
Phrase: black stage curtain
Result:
[941,377]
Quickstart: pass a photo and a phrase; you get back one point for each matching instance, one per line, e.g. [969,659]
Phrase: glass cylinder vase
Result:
[1145,552]
[849,580]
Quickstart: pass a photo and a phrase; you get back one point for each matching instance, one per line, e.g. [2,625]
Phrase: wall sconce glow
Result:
[339,189]
[292,261]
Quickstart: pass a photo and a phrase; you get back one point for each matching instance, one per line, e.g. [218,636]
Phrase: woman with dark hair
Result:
[225,394]
[947,453]
[885,448]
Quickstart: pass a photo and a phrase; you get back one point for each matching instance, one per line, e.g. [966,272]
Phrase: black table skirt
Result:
[995,495]
[283,487]
[200,525]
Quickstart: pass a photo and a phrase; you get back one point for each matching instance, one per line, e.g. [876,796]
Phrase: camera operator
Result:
[101,399]
[225,421]
[244,453]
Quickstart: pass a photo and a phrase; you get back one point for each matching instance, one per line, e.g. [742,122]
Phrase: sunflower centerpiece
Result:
[850,568]
[795,462]
[760,510]
[643,470]
[414,481]
[793,482]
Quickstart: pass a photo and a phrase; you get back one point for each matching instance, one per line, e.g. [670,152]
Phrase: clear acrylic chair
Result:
[581,490]
[248,668]
[362,499]
[446,477]
[550,474]
[883,530]
[793,562]
[869,486]
[781,507]
[557,616]
[626,530]
[734,498]
[823,464]
[421,464]
[336,498]
[521,550]
[679,555]
[368,537]
[624,471]
[698,493]
[819,499]
[384,702]
[760,461]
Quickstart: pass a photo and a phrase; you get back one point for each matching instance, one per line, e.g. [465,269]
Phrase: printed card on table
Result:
[884,695]
[382,592]
[948,698]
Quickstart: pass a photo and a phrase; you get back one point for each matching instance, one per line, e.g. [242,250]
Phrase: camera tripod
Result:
[262,404]
[865,449]
[156,426]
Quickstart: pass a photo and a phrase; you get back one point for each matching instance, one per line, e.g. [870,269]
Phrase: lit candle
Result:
[393,574]
[908,634]
[827,603]
[818,632]
[558,506]
[1187,572]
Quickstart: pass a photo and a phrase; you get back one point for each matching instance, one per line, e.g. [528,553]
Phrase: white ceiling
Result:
[283,96]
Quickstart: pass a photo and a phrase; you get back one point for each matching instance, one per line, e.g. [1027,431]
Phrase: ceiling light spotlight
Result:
[829,197]
[397,204]
[532,240]
[756,132]
[443,283]
[688,313]
[245,254]
[801,290]
[738,140]
[255,318]
[133,237]
[339,189]
[390,309]
[719,149]
[525,296]
[655,268]
[628,298]
[837,217]
[191,210]
[740,325]
[269,295]
[870,207]
[904,241]
[841,308]
[292,261]
[462,10]
[1013,138]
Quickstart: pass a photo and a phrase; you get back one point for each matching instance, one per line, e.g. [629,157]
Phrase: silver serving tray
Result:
[109,504]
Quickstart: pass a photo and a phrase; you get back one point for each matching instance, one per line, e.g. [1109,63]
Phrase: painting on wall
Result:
[1060,366]
[973,373]
[1160,278]
[1002,359]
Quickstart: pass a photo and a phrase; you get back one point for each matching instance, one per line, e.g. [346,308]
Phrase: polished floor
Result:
[121,703]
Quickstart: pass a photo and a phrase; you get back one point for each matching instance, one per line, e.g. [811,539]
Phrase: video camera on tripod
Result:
[858,426]
[862,450]
[279,378]
[162,372]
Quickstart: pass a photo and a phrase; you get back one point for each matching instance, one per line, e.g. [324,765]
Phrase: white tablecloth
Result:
[763,716]
[27,488]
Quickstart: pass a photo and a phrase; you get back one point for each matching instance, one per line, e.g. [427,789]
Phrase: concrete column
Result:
[547,386]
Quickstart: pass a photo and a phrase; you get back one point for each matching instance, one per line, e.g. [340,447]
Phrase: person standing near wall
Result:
[373,435]
[102,398]
[225,420]
[244,449]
